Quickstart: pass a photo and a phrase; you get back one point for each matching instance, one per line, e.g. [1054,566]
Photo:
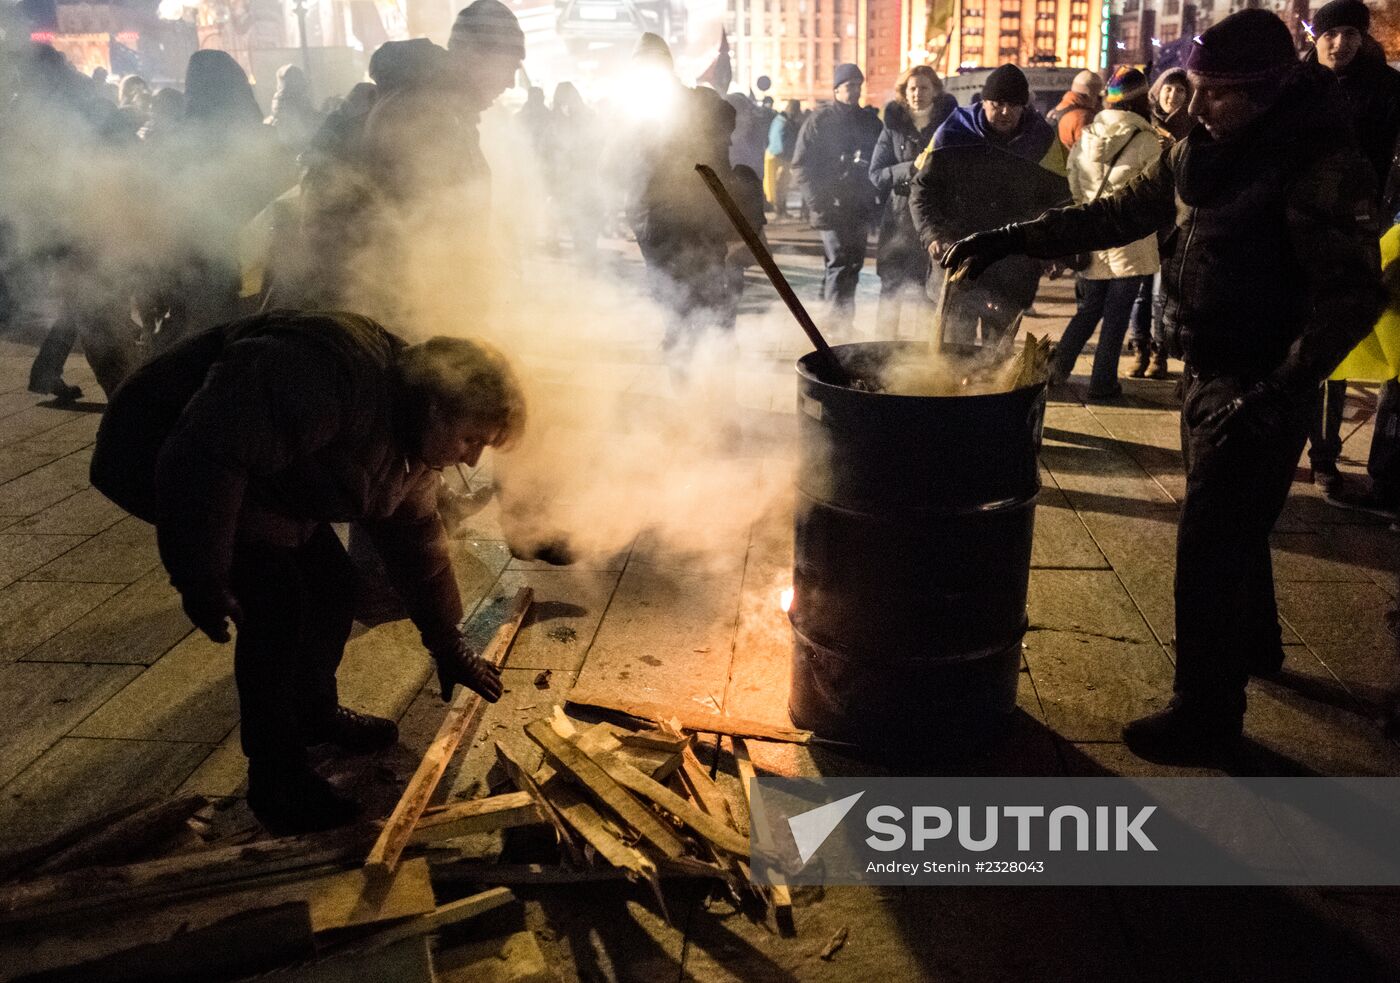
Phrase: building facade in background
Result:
[798,43]
[1142,27]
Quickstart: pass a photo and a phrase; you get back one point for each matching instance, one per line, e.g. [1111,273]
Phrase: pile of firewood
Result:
[622,802]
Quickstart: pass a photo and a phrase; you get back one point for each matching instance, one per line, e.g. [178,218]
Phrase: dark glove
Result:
[210,607]
[969,257]
[1255,414]
[457,663]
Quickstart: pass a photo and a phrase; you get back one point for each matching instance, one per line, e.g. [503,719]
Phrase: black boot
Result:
[290,799]
[1184,734]
[358,733]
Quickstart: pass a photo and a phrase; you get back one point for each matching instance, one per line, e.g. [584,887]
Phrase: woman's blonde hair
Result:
[466,379]
[901,87]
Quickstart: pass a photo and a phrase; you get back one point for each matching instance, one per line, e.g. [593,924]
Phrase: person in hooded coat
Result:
[1116,147]
[1077,108]
[227,167]
[294,117]
[1372,96]
[994,162]
[573,171]
[1272,277]
[919,108]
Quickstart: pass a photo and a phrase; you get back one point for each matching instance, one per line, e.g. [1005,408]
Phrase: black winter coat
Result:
[1272,268]
[899,254]
[264,428]
[1372,90]
[832,165]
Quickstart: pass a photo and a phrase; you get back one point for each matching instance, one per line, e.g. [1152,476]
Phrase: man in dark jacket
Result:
[1372,90]
[831,165]
[242,446]
[994,162]
[1271,276]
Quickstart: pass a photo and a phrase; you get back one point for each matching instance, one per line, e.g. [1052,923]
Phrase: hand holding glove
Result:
[457,663]
[969,257]
[1255,414]
[210,607]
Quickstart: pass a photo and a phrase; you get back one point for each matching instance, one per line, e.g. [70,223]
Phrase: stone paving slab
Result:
[41,703]
[22,553]
[41,487]
[569,605]
[137,624]
[81,778]
[33,611]
[187,695]
[123,553]
[1342,624]
[85,514]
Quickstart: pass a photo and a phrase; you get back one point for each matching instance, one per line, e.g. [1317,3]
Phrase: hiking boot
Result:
[1157,367]
[1344,496]
[357,733]
[290,799]
[1184,735]
[1140,362]
[1328,480]
[59,390]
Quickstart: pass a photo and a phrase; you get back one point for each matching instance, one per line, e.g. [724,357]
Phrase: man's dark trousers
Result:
[298,607]
[844,247]
[1226,612]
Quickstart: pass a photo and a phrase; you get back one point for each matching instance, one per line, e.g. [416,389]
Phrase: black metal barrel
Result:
[914,524]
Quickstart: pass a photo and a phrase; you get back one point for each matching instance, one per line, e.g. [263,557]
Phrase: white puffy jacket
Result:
[1115,130]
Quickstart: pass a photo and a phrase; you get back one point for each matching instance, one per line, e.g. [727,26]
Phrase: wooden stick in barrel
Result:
[831,368]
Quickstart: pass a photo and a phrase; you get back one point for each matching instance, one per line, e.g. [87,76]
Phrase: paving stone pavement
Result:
[107,696]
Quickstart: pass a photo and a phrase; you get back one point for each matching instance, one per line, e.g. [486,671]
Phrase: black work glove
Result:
[1259,412]
[457,663]
[210,607]
[970,256]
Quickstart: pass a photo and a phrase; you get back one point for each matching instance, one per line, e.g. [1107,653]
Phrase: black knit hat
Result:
[1007,84]
[489,25]
[846,72]
[1341,13]
[1249,46]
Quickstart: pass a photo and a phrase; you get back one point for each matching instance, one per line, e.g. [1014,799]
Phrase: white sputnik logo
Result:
[811,828]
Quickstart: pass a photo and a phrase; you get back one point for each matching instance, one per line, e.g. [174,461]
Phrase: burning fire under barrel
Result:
[913,544]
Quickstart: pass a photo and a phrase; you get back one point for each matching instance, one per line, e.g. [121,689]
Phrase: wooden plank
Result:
[703,789]
[243,944]
[569,810]
[587,772]
[452,913]
[695,720]
[778,894]
[486,815]
[475,872]
[710,827]
[100,887]
[461,719]
[656,740]
[520,775]
[128,837]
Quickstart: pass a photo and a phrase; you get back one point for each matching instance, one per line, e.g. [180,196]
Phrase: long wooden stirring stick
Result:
[830,369]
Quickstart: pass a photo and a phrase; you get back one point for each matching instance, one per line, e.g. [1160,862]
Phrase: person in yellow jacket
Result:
[1377,359]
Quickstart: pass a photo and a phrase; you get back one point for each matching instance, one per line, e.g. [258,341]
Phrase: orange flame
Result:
[785,599]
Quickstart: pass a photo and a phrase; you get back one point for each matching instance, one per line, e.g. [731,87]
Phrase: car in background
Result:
[582,23]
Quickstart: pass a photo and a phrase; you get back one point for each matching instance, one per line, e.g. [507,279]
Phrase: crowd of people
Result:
[248,290]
